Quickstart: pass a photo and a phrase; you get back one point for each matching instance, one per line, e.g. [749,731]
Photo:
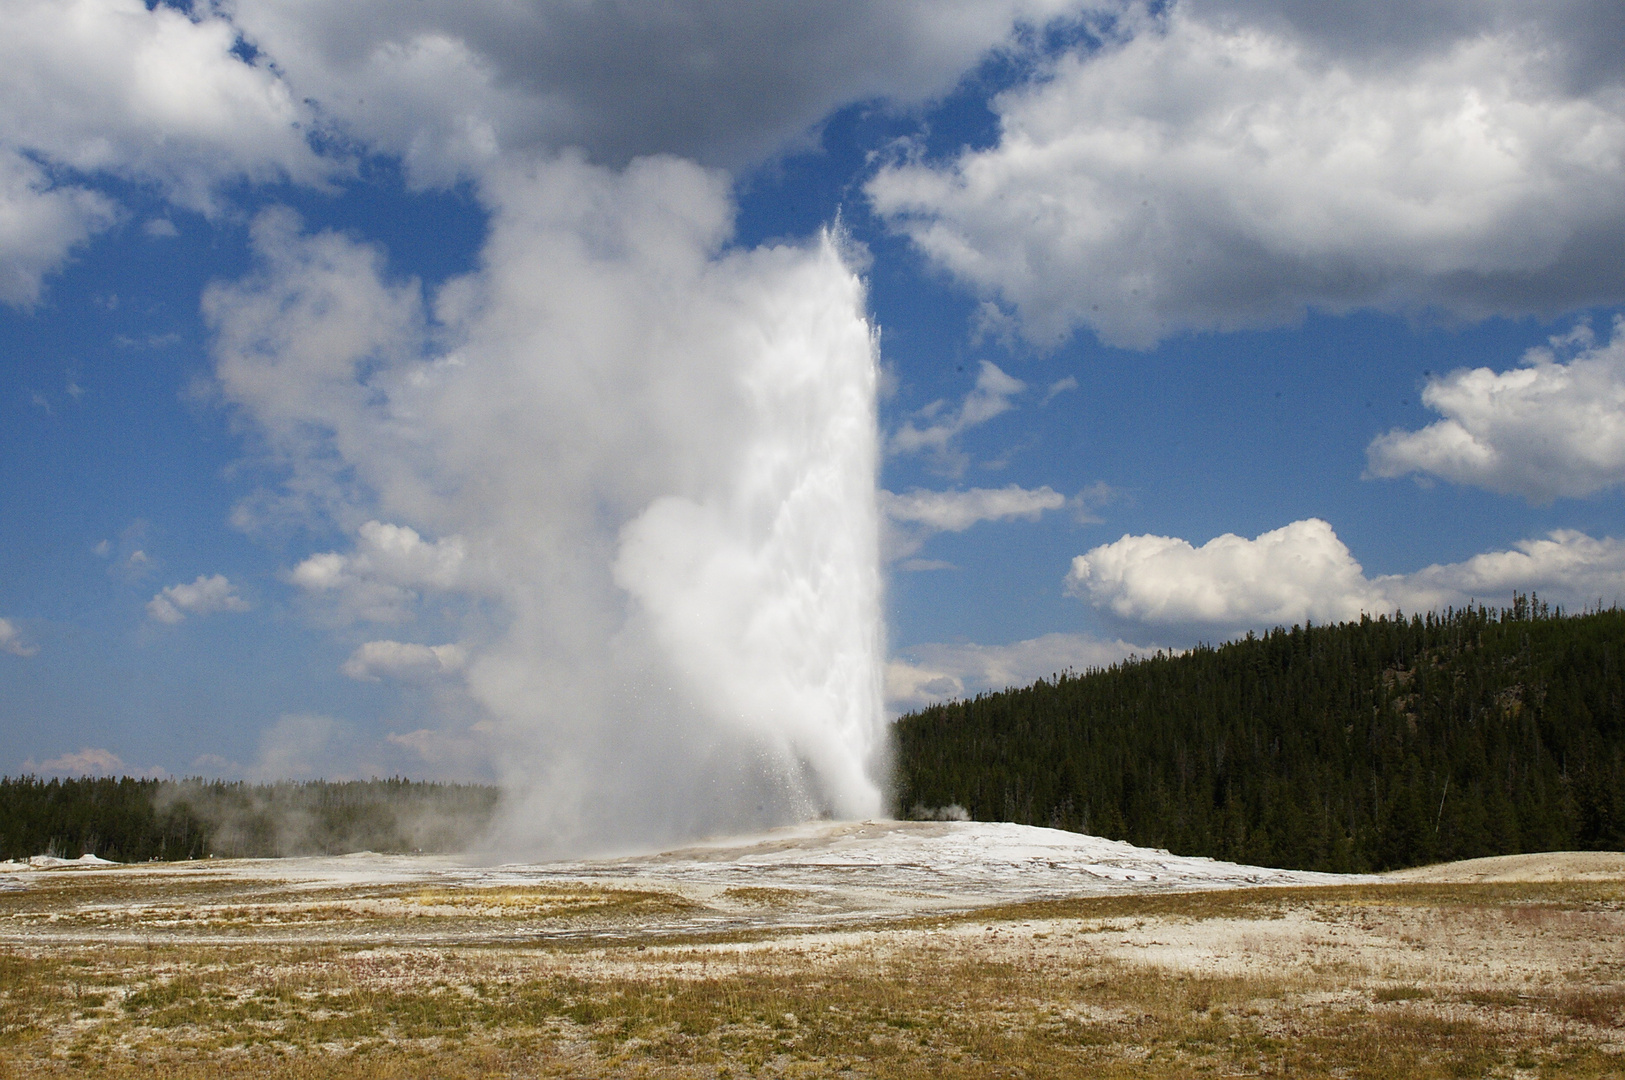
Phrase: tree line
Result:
[135,820]
[1362,746]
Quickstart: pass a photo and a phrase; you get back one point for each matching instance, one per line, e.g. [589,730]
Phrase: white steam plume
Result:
[657,459]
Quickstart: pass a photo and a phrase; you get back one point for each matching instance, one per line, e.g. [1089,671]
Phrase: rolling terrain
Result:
[886,949]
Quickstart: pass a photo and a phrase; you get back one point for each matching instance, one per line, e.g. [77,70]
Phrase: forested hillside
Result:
[1362,746]
[130,820]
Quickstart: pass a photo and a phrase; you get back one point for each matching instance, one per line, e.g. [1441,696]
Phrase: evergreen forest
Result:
[1363,746]
[133,820]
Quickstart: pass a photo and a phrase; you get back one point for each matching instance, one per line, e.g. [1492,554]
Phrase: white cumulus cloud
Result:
[956,511]
[375,659]
[154,95]
[1550,427]
[1302,571]
[381,579]
[167,96]
[13,642]
[91,761]
[1215,168]
[990,397]
[205,596]
[925,674]
[914,515]
[454,86]
[40,223]
[1565,566]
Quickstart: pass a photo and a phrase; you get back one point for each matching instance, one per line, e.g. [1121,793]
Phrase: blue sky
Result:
[367,382]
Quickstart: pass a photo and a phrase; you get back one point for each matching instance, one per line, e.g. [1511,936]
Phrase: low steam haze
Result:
[636,406]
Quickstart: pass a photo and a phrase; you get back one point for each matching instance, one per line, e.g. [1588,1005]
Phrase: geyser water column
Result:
[656,459]
[763,589]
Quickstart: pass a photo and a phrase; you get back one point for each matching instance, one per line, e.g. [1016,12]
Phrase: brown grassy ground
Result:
[1423,978]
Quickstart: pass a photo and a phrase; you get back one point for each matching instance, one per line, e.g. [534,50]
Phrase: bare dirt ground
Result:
[873,949]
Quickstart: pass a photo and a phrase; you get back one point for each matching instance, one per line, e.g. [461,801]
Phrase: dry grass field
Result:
[1515,969]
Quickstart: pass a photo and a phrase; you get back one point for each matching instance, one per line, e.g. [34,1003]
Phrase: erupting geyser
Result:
[631,471]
